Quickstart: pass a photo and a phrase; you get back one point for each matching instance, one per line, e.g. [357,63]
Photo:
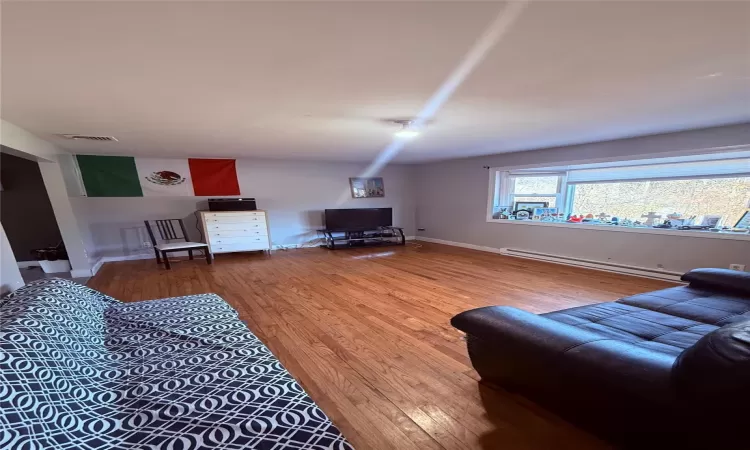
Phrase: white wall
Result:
[293,193]
[20,140]
[21,143]
[10,276]
[66,218]
[447,198]
[452,206]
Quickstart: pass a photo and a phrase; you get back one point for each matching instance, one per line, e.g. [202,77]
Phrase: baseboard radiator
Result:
[659,274]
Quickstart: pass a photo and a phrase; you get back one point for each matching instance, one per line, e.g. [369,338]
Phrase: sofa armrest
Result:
[513,326]
[523,339]
[719,279]
[624,366]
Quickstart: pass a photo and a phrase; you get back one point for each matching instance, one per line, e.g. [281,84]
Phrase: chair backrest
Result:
[167,230]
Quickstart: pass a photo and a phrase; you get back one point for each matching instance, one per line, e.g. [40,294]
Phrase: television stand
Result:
[363,238]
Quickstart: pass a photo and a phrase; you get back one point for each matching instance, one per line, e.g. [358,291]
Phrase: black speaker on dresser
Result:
[231,204]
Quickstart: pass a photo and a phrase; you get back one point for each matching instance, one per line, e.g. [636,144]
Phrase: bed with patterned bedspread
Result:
[81,370]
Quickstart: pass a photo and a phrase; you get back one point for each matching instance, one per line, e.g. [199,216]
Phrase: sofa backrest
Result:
[724,280]
[58,308]
[52,352]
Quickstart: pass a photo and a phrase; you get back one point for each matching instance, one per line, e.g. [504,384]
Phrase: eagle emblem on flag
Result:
[166,178]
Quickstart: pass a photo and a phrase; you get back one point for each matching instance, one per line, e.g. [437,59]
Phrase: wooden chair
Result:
[168,232]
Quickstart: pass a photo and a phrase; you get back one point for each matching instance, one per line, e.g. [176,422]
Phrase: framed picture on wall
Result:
[529,206]
[367,187]
[544,214]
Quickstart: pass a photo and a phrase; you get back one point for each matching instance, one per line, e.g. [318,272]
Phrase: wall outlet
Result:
[146,244]
[739,267]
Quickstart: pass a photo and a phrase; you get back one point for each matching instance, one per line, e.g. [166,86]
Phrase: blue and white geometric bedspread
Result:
[81,370]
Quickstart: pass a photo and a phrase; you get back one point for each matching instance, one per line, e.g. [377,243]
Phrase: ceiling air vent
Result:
[85,137]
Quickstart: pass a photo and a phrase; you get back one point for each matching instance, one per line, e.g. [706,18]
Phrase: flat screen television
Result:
[359,219]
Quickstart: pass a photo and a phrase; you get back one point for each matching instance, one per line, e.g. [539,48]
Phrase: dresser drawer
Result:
[235,217]
[246,247]
[255,226]
[249,240]
[237,233]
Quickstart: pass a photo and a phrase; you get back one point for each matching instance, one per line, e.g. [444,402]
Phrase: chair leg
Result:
[166,261]
[158,258]
[190,254]
[209,260]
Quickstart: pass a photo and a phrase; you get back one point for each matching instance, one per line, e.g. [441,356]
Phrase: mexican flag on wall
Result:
[126,176]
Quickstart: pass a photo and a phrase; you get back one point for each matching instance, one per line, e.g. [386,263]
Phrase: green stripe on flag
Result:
[109,176]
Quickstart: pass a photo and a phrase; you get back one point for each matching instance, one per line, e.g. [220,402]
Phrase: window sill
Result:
[662,231]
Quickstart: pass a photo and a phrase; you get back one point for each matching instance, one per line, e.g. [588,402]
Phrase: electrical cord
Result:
[313,243]
[197,221]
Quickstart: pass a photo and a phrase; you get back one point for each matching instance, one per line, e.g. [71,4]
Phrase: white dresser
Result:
[236,231]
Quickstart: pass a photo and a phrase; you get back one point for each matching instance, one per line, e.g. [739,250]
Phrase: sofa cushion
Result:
[642,327]
[669,320]
[204,376]
[195,315]
[173,373]
[710,307]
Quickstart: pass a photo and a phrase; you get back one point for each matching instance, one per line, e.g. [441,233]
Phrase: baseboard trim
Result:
[96,265]
[80,273]
[624,269]
[27,264]
[315,244]
[481,248]
[134,257]
[75,273]
[291,246]
[105,259]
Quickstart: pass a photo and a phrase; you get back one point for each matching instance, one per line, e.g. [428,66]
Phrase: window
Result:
[628,190]
[520,188]
[725,197]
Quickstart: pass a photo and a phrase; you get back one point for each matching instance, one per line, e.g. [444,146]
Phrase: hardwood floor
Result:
[366,332]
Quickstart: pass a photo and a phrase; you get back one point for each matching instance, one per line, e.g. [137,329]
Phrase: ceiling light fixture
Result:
[407,130]
[407,133]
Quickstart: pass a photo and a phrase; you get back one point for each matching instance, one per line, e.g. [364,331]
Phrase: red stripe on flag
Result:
[214,177]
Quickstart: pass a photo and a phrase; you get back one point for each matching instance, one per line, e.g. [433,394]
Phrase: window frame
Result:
[505,182]
[501,183]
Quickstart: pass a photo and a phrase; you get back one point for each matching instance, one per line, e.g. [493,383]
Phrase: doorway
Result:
[29,220]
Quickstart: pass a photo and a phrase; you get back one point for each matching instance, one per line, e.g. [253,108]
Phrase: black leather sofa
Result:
[663,369]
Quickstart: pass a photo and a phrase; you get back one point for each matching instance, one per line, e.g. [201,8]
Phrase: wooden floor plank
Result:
[366,332]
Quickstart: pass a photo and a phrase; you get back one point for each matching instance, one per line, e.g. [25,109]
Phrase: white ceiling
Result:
[312,80]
